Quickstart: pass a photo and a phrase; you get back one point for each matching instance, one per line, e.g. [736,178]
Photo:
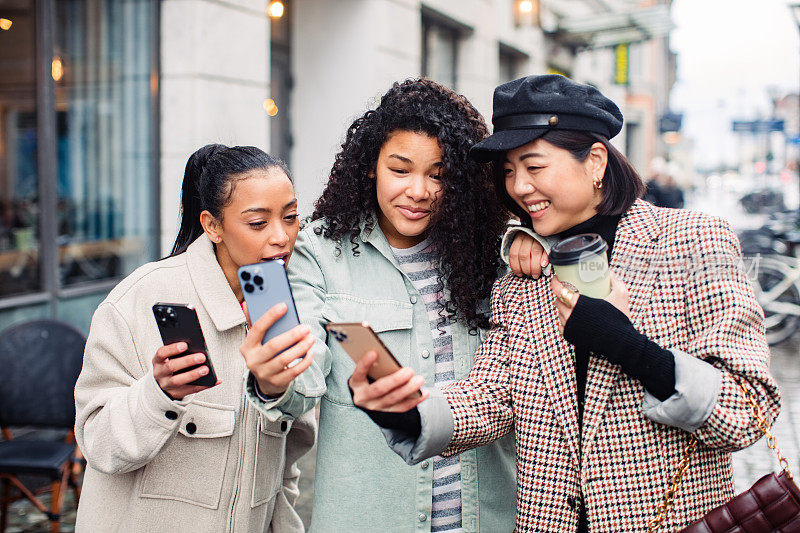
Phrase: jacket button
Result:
[171,415]
[283,425]
[191,427]
[425,465]
[425,354]
[423,517]
[413,299]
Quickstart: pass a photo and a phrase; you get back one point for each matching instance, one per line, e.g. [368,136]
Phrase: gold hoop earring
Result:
[598,183]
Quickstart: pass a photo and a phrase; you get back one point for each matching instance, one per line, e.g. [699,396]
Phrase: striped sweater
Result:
[417,263]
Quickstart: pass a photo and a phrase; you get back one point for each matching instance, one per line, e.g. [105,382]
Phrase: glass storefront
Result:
[20,271]
[78,150]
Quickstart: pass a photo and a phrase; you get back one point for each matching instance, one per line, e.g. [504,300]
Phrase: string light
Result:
[57,68]
[275,10]
[270,107]
[5,24]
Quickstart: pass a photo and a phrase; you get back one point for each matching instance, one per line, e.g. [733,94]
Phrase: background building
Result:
[102,102]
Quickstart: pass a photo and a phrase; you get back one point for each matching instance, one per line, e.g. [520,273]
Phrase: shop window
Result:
[20,271]
[511,63]
[78,146]
[441,37]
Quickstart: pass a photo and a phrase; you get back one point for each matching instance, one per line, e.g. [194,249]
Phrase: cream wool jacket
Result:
[210,462]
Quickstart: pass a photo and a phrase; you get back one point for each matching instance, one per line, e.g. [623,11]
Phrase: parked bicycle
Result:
[775,248]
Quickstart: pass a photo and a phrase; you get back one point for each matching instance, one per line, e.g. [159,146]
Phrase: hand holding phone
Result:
[379,382]
[182,365]
[277,348]
[397,392]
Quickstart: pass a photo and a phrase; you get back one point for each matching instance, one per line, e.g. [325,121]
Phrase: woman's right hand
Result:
[175,385]
[527,256]
[269,362]
[390,393]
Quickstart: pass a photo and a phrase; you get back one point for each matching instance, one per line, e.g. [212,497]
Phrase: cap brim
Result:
[503,141]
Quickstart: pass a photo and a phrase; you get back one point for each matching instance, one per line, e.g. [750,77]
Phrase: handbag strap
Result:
[691,447]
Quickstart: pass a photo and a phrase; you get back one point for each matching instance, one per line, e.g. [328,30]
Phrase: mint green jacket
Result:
[362,485]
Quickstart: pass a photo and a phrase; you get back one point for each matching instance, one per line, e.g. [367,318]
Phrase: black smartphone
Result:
[179,323]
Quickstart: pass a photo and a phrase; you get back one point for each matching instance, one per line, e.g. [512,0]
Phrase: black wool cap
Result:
[525,109]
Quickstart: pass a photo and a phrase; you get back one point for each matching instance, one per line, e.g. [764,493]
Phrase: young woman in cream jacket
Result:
[167,456]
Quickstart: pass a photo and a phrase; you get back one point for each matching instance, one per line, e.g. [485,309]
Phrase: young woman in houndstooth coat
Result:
[603,394]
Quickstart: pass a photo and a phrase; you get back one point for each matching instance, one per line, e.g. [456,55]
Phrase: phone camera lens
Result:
[258,280]
[246,275]
[248,287]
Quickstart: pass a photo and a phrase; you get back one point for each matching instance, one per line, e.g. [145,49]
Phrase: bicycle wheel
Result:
[778,295]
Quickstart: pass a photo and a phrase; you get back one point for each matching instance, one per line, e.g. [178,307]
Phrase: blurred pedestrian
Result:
[602,394]
[166,455]
[405,236]
[663,191]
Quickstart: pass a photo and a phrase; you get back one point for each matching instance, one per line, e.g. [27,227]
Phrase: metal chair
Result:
[41,361]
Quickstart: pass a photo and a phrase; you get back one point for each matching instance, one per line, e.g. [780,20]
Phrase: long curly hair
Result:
[469,218]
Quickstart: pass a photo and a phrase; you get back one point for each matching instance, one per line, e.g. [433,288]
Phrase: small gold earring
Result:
[598,183]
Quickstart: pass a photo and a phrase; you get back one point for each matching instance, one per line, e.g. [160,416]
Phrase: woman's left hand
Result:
[618,297]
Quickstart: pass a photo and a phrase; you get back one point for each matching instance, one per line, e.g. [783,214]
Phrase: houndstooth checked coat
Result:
[687,291]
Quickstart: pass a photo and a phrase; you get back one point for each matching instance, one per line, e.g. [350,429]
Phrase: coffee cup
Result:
[581,265]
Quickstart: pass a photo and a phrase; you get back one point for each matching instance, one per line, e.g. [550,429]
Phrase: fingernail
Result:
[419,380]
[199,358]
[183,346]
[204,371]
[282,306]
[407,372]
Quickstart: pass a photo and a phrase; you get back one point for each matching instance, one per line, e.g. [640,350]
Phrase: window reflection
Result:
[104,144]
[19,183]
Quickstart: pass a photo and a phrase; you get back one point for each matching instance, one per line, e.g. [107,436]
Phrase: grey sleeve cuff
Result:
[273,409]
[697,386]
[436,420]
[508,240]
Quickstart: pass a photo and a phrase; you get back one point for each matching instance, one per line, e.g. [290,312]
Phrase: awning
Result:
[609,29]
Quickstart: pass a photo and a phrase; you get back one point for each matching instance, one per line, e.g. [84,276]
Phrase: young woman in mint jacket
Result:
[405,236]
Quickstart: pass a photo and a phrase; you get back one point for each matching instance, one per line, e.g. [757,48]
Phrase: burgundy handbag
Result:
[772,504]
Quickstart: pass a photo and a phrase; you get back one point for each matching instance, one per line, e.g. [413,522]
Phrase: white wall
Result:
[347,53]
[214,79]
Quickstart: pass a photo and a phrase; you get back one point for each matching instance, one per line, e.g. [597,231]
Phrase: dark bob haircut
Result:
[622,185]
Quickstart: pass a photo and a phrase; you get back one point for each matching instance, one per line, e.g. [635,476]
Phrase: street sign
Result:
[670,122]
[757,126]
[621,61]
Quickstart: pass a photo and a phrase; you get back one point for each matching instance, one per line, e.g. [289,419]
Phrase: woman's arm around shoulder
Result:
[123,418]
[481,404]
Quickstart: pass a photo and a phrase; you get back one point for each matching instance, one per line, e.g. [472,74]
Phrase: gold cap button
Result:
[553,121]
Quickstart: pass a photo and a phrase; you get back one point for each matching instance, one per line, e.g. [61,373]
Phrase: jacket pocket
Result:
[382,315]
[390,319]
[270,459]
[191,466]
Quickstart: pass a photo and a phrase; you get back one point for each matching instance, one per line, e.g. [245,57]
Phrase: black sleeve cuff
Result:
[599,327]
[409,422]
